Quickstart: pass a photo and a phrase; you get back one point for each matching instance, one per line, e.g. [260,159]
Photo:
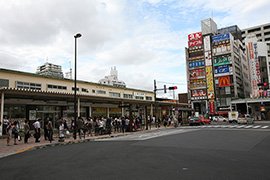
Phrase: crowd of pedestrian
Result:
[82,127]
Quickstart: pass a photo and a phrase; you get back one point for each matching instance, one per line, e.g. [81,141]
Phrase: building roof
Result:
[33,74]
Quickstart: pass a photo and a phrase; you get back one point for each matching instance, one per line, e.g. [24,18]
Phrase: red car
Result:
[204,121]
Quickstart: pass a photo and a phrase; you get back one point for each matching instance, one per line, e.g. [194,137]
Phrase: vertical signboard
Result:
[212,107]
[207,51]
[255,76]
[209,82]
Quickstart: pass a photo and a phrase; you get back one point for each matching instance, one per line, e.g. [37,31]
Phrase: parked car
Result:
[219,119]
[194,121]
[245,119]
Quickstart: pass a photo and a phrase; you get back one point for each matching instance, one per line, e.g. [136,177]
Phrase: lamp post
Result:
[75,85]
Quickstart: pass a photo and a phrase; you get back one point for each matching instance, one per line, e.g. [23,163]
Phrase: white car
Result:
[245,119]
[219,119]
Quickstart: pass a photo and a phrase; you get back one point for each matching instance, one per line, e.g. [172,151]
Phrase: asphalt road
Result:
[206,153]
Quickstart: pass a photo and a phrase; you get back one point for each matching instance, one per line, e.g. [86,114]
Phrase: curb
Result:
[75,142]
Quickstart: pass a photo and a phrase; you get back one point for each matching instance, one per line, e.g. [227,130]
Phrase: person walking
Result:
[26,131]
[9,133]
[15,131]
[46,134]
[80,127]
[50,130]
[37,130]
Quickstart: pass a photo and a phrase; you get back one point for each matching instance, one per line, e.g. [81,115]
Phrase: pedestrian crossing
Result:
[238,126]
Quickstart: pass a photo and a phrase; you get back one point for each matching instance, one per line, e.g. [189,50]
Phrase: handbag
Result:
[67,132]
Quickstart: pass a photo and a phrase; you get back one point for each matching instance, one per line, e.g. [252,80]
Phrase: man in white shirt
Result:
[5,124]
[37,130]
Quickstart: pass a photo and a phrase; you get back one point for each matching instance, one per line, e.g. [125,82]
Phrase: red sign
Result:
[193,36]
[224,81]
[251,52]
[196,42]
[212,107]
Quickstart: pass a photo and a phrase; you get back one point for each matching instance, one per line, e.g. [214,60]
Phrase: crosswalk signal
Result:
[172,87]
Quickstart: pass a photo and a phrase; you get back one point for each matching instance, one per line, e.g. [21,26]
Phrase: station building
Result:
[32,96]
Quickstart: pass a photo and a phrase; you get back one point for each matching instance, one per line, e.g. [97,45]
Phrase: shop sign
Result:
[212,107]
[115,110]
[209,82]
[220,37]
[196,64]
[223,69]
[224,81]
[99,109]
[225,74]
[222,61]
[138,94]
[198,93]
[208,58]
[194,58]
[193,36]
[196,42]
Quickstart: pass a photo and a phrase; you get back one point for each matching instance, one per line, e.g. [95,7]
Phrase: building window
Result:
[149,98]
[74,89]
[27,85]
[139,97]
[113,94]
[128,96]
[84,90]
[93,91]
[101,92]
[49,86]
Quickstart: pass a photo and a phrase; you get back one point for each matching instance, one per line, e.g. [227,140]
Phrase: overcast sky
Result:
[144,39]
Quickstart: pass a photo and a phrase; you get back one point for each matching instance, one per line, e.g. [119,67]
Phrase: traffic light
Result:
[165,89]
[172,87]
[262,84]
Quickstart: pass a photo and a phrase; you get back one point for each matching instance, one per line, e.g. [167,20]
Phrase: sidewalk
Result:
[22,147]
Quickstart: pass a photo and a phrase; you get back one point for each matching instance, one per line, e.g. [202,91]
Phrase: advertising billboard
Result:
[209,82]
[255,76]
[198,94]
[224,81]
[207,51]
[223,69]
[196,42]
[193,36]
[222,61]
[220,37]
[212,107]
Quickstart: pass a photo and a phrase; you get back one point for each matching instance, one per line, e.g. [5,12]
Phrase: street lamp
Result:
[75,85]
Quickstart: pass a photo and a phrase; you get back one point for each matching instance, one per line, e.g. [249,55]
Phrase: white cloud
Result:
[144,39]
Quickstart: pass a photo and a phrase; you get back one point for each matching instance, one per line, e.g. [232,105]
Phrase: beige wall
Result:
[14,76]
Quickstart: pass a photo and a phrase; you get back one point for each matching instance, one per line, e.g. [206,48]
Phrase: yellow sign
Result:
[209,82]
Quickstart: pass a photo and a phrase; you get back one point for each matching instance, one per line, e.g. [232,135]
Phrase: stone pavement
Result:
[22,147]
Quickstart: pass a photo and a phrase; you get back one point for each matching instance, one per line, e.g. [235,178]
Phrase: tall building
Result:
[217,68]
[51,70]
[112,79]
[260,37]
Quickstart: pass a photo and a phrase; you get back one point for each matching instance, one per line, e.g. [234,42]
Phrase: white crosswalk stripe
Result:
[228,126]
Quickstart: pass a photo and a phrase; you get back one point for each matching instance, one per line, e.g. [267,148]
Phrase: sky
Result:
[144,39]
